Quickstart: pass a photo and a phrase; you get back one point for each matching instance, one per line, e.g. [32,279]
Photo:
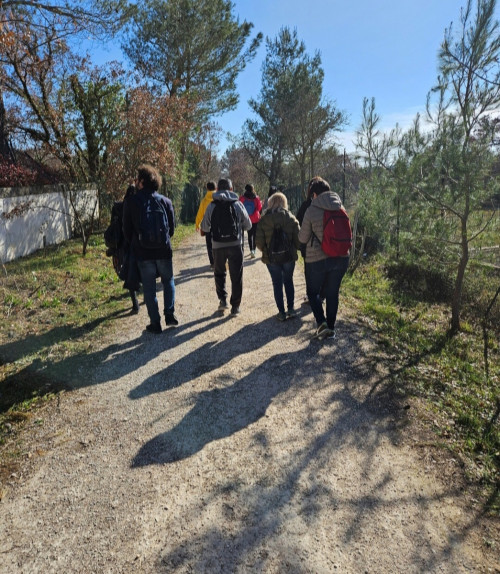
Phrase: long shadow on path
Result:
[224,411]
[213,354]
[262,512]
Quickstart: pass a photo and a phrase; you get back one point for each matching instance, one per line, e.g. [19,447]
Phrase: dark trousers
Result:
[234,258]
[323,279]
[251,236]
[208,241]
[282,276]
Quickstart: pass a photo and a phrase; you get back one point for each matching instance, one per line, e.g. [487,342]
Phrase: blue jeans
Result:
[149,271]
[282,276]
[323,279]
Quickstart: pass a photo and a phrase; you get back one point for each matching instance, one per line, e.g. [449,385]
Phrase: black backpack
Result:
[280,247]
[113,233]
[224,221]
[153,222]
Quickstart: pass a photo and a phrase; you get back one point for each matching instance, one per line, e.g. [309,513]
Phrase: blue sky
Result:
[386,49]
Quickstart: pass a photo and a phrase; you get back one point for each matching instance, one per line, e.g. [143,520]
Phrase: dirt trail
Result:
[234,444]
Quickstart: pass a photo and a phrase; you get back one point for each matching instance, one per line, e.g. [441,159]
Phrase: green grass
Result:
[447,374]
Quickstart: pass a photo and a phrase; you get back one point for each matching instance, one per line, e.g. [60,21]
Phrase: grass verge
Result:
[448,375]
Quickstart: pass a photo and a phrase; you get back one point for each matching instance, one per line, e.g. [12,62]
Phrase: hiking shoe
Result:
[235,310]
[291,313]
[154,328]
[171,320]
[281,316]
[223,305]
[322,331]
[326,334]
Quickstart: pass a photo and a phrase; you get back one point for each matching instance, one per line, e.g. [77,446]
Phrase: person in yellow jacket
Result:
[205,202]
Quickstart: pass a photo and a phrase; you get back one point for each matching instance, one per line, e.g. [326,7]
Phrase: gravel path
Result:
[234,444]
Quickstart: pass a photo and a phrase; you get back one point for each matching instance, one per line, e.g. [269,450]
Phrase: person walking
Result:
[227,219]
[124,261]
[252,203]
[324,274]
[205,202]
[278,239]
[307,201]
[148,225]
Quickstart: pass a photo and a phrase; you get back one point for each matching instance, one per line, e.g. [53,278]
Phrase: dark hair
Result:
[249,187]
[149,176]
[310,184]
[211,185]
[318,185]
[225,184]
[272,189]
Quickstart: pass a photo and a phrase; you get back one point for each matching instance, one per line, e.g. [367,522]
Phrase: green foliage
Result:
[98,97]
[446,374]
[190,202]
[293,119]
[439,179]
[193,46]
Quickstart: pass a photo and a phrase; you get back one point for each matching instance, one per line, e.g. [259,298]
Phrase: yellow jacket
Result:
[205,202]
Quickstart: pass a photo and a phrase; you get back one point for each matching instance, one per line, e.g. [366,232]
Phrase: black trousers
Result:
[234,258]
[251,236]
[208,241]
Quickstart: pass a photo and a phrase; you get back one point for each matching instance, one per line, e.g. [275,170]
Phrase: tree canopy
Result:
[293,119]
[441,175]
[192,46]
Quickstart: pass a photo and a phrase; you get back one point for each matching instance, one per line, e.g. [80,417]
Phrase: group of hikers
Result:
[321,233]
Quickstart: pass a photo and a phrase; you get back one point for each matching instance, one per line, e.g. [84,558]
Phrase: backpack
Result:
[280,247]
[337,233]
[224,222]
[153,222]
[113,233]
[249,206]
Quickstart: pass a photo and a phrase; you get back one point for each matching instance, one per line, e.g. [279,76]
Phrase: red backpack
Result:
[337,233]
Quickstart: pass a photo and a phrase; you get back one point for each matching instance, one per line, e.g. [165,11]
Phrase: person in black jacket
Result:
[153,259]
[124,262]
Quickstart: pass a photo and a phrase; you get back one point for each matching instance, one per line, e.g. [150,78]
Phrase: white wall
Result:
[31,218]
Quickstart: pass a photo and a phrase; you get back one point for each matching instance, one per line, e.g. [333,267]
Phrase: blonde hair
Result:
[277,200]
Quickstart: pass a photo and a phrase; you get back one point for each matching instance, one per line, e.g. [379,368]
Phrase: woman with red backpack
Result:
[252,203]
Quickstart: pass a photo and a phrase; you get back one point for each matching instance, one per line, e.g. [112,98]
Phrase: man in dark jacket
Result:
[153,258]
[227,248]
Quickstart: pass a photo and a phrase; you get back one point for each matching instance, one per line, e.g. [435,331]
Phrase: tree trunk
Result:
[5,150]
[303,181]
[456,303]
